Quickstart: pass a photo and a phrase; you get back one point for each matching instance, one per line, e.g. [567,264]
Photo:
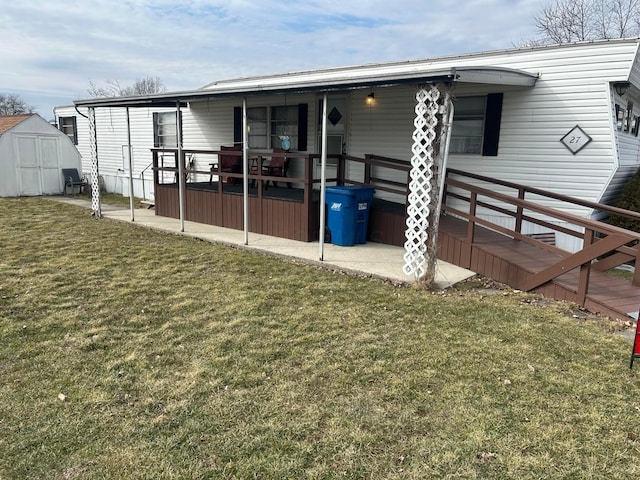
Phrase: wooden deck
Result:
[512,262]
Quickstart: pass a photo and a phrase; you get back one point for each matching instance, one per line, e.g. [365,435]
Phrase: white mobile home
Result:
[32,155]
[561,118]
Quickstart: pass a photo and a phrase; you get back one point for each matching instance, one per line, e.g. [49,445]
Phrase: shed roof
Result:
[7,122]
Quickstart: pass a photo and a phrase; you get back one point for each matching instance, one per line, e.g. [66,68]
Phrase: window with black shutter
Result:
[267,126]
[69,127]
[476,125]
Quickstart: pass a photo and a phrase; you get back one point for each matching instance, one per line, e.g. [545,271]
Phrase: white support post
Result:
[95,172]
[323,176]
[131,198]
[180,165]
[245,170]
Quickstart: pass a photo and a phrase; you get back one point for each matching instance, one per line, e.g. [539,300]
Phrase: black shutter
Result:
[156,139]
[237,125]
[75,130]
[179,119]
[303,114]
[492,125]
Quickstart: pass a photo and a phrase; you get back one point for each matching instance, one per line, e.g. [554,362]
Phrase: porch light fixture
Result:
[371,99]
[621,87]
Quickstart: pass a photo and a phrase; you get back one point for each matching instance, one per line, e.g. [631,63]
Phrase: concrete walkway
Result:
[375,259]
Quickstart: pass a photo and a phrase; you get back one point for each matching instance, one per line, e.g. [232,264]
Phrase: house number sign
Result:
[576,139]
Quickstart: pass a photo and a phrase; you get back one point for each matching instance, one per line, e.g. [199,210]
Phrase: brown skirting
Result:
[269,216]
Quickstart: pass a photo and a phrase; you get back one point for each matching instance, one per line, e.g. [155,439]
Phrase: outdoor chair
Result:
[72,180]
[228,163]
[277,166]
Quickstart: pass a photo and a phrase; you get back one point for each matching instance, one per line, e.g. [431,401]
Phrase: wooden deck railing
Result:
[298,207]
[373,167]
[373,164]
[604,246]
[256,161]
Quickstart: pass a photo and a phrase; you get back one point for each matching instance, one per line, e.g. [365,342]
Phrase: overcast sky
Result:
[50,50]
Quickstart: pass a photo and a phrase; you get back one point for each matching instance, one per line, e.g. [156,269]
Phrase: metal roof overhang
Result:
[322,81]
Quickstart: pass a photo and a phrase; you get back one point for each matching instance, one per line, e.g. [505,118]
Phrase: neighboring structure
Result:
[562,118]
[32,154]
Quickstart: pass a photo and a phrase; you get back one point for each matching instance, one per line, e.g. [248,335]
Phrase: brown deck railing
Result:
[604,246]
[374,165]
[256,160]
[371,176]
[225,210]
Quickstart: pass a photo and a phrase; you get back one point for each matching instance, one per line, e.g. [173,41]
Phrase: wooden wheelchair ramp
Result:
[513,262]
[504,254]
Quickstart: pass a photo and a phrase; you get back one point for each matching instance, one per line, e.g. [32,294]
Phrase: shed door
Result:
[38,164]
[50,164]
[29,166]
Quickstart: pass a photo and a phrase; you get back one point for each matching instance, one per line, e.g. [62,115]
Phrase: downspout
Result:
[323,176]
[245,171]
[445,151]
[131,202]
[80,113]
[180,165]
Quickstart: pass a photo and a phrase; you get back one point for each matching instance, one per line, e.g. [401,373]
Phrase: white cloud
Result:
[56,49]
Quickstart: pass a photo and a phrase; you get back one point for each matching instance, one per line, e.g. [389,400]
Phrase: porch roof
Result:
[347,78]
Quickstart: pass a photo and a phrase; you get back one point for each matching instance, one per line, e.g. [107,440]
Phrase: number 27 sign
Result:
[575,140]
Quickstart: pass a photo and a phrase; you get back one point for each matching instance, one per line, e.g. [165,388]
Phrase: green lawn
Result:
[128,353]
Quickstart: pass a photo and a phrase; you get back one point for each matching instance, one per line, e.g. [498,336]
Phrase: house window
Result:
[284,122]
[165,130]
[267,124]
[69,127]
[476,125]
[257,123]
[468,125]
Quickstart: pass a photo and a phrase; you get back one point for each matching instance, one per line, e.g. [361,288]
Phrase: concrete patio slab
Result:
[375,259]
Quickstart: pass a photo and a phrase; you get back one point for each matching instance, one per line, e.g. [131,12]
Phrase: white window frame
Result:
[283,122]
[165,137]
[465,116]
[258,125]
[68,126]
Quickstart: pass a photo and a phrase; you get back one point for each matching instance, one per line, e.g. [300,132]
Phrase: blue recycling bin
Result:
[348,213]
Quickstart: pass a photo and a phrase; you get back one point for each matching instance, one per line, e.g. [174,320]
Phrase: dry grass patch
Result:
[183,359]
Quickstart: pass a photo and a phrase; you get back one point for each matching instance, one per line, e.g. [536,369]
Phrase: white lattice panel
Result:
[95,179]
[420,185]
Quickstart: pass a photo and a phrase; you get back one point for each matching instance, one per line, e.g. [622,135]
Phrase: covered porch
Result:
[286,207]
[406,205]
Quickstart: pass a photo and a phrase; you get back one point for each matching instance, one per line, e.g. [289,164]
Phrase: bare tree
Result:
[112,88]
[146,86]
[625,15]
[11,104]
[576,20]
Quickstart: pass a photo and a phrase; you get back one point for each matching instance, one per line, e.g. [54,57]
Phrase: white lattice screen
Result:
[95,179]
[420,198]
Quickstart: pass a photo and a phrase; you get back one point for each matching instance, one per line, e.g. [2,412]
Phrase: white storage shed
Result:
[32,155]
